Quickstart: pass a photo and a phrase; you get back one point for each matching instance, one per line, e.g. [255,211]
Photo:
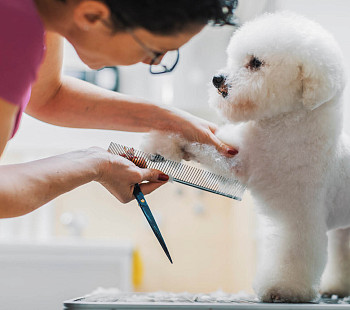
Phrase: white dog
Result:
[283,84]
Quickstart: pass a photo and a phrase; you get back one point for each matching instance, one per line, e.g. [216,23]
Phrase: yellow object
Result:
[137,269]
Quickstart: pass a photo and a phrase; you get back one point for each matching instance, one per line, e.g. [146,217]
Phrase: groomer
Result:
[104,33]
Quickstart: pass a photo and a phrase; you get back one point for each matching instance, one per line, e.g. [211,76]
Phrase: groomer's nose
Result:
[218,80]
[156,61]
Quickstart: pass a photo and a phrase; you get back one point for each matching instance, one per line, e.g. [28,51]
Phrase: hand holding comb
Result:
[182,173]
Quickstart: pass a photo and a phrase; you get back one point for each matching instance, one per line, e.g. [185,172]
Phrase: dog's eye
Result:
[254,64]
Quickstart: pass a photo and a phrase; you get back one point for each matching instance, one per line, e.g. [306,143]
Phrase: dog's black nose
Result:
[218,80]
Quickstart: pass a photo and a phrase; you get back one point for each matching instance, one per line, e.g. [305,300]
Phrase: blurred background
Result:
[86,238]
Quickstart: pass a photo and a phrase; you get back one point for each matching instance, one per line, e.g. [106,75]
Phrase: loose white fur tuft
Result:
[283,85]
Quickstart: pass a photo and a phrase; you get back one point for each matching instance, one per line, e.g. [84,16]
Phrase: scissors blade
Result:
[151,221]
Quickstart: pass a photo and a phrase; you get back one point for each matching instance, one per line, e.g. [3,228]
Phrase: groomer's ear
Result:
[88,14]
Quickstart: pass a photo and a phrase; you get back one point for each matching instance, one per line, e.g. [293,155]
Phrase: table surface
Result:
[133,301]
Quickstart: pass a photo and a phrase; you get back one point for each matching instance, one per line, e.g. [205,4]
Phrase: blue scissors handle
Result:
[151,221]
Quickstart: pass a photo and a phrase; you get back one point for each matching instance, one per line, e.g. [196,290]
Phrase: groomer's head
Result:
[123,32]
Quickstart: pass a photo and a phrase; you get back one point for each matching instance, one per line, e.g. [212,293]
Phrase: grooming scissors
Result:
[129,154]
[151,221]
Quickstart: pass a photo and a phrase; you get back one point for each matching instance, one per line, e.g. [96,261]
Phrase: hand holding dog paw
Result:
[195,129]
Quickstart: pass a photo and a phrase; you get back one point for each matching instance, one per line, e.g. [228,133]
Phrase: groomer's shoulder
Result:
[21,38]
[22,48]
[21,27]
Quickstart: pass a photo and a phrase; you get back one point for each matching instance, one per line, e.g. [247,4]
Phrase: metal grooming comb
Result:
[185,174]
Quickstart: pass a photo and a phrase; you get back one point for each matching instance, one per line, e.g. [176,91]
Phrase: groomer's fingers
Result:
[155,179]
[153,175]
[213,128]
[138,161]
[223,148]
[149,187]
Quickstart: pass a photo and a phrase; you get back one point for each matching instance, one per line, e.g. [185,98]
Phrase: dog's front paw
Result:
[171,146]
[285,293]
[208,156]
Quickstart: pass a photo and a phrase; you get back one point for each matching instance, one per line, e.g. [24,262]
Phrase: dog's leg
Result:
[293,258]
[171,146]
[336,278]
[174,147]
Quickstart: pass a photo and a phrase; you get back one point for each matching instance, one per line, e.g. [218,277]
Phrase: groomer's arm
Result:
[25,187]
[66,101]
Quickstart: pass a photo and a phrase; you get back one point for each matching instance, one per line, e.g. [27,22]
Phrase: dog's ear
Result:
[319,85]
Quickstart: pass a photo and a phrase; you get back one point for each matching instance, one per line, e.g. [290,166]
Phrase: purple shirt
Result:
[21,51]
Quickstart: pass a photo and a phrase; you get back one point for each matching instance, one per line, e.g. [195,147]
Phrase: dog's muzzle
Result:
[219,83]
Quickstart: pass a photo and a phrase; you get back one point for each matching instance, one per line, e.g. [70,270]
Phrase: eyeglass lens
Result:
[167,64]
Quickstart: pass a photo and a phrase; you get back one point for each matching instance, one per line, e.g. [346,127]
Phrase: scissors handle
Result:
[151,221]
[139,196]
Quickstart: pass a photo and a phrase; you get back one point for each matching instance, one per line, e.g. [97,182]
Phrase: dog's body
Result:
[283,84]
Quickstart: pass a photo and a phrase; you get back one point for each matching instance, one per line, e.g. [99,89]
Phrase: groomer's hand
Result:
[195,129]
[119,175]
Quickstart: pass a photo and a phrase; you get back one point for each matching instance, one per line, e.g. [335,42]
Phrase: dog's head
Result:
[278,63]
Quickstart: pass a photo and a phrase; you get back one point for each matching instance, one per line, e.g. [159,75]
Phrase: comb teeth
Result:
[185,174]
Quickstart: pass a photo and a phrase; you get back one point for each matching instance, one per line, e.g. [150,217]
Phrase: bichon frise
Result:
[283,86]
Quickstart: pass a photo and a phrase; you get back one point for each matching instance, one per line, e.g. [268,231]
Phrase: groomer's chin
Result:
[95,66]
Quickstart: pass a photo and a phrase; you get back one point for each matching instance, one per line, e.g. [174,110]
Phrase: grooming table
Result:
[186,301]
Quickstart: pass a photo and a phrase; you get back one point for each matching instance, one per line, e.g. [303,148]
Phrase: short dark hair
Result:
[169,16]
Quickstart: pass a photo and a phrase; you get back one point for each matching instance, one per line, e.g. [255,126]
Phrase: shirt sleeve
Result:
[21,51]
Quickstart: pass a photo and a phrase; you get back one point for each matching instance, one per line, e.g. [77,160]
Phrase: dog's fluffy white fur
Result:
[284,81]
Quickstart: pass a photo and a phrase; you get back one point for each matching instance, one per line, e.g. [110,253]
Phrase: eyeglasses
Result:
[168,62]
